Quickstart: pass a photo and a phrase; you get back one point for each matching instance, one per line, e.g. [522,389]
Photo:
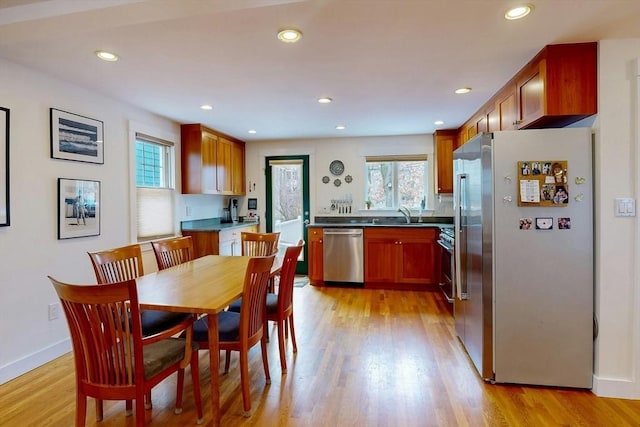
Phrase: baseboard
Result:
[616,387]
[34,360]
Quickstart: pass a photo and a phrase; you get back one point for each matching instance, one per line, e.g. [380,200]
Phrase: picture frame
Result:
[77,138]
[5,217]
[79,208]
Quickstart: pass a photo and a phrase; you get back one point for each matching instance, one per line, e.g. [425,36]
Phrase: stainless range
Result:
[446,280]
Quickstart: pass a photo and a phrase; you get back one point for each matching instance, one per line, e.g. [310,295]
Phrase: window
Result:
[392,182]
[154,187]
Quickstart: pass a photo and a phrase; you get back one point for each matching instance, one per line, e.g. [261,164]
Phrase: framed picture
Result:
[4,167]
[75,137]
[78,208]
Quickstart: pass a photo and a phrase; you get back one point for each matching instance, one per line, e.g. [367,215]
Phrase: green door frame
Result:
[302,267]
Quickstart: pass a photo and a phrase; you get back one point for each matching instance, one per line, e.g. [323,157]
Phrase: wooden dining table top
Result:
[203,285]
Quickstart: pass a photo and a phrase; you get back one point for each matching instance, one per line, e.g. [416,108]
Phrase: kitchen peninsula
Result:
[213,237]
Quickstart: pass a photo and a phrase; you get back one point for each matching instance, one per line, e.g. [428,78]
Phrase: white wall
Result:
[351,151]
[29,248]
[617,288]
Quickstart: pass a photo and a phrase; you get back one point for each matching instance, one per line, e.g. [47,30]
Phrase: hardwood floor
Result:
[365,358]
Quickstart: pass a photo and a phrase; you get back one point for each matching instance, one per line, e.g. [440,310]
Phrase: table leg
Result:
[214,366]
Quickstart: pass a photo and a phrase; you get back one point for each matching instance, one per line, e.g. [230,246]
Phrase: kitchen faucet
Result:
[406,212]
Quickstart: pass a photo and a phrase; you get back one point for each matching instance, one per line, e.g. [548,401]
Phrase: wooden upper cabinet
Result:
[198,160]
[444,143]
[211,163]
[558,86]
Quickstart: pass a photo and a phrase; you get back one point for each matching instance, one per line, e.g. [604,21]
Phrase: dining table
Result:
[205,285]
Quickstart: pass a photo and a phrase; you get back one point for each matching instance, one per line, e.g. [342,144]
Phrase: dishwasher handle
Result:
[343,232]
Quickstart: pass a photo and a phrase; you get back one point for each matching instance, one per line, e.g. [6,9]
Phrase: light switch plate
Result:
[625,206]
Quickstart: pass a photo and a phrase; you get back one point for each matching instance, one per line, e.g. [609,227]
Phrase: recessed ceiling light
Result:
[341,127]
[324,100]
[252,131]
[463,90]
[518,12]
[106,56]
[206,107]
[438,122]
[289,35]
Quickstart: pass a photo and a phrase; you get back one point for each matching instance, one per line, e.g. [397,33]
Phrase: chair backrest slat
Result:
[117,265]
[254,296]
[288,275]
[172,252]
[259,244]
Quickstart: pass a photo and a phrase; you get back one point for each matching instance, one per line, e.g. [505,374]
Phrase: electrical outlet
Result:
[54,311]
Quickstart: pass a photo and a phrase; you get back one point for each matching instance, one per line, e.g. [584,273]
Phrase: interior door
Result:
[287,180]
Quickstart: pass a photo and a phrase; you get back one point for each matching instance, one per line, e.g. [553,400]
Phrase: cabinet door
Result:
[209,163]
[316,247]
[380,260]
[224,166]
[238,186]
[444,144]
[530,92]
[507,111]
[416,262]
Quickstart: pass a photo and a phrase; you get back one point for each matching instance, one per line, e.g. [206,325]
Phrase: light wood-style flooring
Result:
[365,358]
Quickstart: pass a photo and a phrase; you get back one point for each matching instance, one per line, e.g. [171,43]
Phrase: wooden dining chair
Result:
[112,359]
[280,305]
[241,331]
[125,263]
[170,252]
[259,244]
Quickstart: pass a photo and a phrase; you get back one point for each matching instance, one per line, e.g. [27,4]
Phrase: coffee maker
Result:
[233,209]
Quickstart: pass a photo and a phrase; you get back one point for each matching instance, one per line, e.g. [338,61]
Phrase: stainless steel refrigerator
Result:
[523,203]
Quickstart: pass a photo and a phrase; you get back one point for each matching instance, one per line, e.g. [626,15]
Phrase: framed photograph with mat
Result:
[78,208]
[77,138]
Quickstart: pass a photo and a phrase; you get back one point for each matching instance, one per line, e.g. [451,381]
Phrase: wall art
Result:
[78,208]
[75,137]
[4,167]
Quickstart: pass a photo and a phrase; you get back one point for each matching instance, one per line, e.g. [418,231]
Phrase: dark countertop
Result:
[212,224]
[377,221]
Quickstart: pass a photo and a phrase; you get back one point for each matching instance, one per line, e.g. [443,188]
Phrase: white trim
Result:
[34,360]
[618,388]
[169,136]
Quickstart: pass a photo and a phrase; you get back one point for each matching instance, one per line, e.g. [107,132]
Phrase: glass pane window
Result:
[154,182]
[151,164]
[391,183]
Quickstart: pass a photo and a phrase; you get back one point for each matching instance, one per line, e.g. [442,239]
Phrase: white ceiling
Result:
[391,66]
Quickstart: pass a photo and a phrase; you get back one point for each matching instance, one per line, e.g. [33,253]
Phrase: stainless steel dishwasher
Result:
[343,259]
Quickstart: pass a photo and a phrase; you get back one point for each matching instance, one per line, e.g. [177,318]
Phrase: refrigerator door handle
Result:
[460,240]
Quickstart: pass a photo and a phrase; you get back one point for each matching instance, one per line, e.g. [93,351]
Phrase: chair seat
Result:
[272,304]
[159,355]
[155,321]
[228,327]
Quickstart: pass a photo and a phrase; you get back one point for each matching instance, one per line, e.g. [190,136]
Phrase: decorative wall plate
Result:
[348,179]
[325,179]
[337,182]
[336,167]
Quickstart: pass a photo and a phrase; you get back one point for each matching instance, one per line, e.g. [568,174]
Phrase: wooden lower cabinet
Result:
[400,258]
[223,242]
[315,249]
